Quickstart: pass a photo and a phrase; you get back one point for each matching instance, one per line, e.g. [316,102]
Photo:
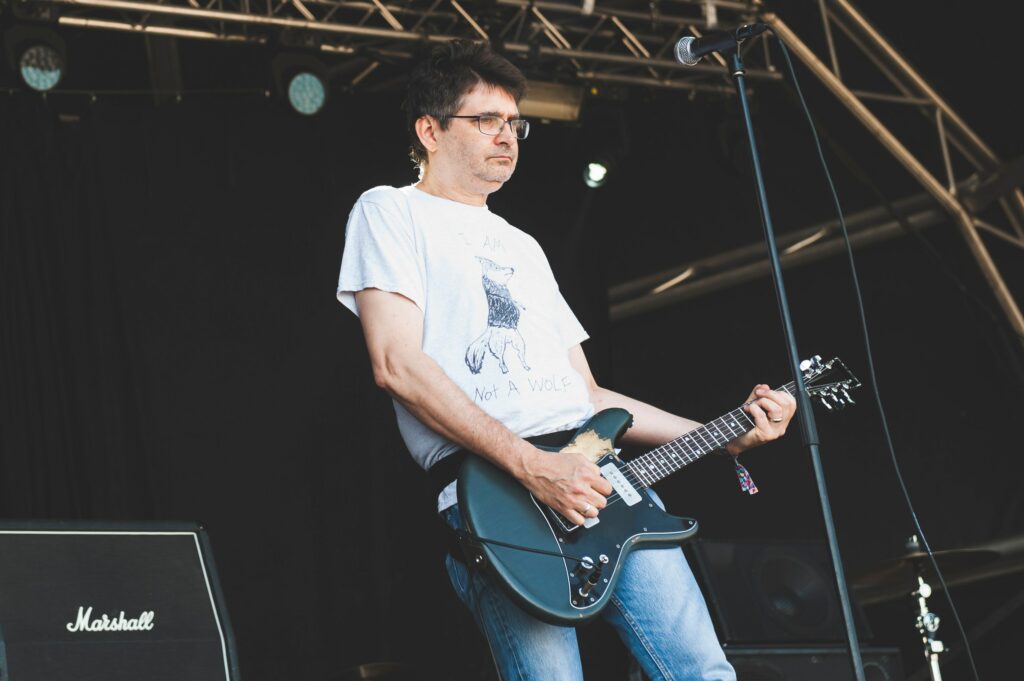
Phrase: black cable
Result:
[465,536]
[1003,332]
[941,264]
[871,362]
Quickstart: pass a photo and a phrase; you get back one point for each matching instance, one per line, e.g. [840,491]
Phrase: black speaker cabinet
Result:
[788,663]
[765,592]
[120,602]
[812,664]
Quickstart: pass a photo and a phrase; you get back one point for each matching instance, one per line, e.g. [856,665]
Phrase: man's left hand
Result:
[771,411]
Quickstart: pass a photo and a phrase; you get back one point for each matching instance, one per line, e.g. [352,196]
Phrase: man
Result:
[465,327]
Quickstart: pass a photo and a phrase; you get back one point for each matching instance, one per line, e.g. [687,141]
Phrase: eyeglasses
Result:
[492,125]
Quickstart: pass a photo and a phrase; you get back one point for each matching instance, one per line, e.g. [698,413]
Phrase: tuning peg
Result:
[846,396]
[824,401]
[812,366]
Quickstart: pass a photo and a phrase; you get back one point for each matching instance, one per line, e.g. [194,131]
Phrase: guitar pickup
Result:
[619,483]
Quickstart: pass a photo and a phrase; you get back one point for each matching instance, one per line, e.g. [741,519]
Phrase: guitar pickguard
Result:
[631,519]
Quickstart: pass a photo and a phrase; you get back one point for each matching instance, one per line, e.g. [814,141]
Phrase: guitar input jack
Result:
[592,579]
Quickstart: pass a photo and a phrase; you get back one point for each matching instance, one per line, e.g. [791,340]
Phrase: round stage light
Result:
[595,174]
[306,93]
[41,67]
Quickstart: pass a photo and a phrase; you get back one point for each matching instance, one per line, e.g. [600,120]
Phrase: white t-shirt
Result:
[493,317]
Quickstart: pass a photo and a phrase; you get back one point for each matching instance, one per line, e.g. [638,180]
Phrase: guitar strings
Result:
[684,457]
[662,459]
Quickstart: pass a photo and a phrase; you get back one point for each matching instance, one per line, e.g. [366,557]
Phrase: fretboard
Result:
[670,457]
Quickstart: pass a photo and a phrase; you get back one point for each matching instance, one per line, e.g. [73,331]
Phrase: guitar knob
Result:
[590,583]
[585,566]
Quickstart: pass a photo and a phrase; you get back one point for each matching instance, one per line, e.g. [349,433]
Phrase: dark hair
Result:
[438,84]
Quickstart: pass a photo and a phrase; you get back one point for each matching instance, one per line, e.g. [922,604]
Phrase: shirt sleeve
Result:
[381,253]
[571,330]
[569,327]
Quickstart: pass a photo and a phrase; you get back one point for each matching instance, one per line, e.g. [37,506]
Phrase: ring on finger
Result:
[587,508]
[776,420]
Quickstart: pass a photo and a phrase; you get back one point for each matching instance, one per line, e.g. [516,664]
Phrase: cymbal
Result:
[901,572]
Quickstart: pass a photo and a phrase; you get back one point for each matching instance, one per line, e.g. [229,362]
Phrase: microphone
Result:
[689,50]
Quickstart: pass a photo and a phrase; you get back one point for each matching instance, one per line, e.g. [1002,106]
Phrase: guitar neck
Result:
[672,456]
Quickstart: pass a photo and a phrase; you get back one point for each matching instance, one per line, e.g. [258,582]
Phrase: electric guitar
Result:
[565,574]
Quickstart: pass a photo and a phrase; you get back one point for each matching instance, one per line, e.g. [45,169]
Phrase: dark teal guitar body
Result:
[496,507]
[550,581]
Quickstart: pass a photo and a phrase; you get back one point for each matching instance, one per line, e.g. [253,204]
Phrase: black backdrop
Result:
[172,349]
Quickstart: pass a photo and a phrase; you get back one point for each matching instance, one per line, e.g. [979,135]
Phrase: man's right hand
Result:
[567,482]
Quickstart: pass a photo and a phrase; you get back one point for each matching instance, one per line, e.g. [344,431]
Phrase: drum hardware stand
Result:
[927,621]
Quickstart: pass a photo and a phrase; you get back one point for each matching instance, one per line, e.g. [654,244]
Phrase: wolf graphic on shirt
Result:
[502,321]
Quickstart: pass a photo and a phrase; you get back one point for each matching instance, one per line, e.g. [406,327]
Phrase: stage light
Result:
[301,80]
[595,174]
[41,67]
[38,54]
[606,144]
[306,93]
[552,101]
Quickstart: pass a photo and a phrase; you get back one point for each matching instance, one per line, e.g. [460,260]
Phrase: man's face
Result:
[476,158]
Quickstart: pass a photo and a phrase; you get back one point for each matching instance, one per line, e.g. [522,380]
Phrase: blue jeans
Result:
[657,610]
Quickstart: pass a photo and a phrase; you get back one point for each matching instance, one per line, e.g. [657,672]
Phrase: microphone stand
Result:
[808,428]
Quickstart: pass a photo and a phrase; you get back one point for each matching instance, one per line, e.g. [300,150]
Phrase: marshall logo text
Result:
[84,622]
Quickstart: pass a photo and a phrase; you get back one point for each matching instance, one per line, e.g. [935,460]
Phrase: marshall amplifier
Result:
[116,602]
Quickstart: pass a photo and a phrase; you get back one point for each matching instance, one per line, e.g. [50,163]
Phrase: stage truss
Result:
[628,43]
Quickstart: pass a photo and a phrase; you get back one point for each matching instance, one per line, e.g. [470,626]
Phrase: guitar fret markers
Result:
[662,461]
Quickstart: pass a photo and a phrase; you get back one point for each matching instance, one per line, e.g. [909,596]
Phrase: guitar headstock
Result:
[831,382]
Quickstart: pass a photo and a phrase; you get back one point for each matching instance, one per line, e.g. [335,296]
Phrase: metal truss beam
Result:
[748,263]
[950,128]
[575,44]
[619,42]
[945,197]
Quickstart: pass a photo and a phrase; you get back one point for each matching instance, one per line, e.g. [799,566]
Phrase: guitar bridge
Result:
[567,526]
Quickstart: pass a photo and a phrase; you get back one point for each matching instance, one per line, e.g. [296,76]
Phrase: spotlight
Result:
[302,80]
[38,54]
[41,67]
[606,142]
[306,93]
[595,174]
[552,101]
